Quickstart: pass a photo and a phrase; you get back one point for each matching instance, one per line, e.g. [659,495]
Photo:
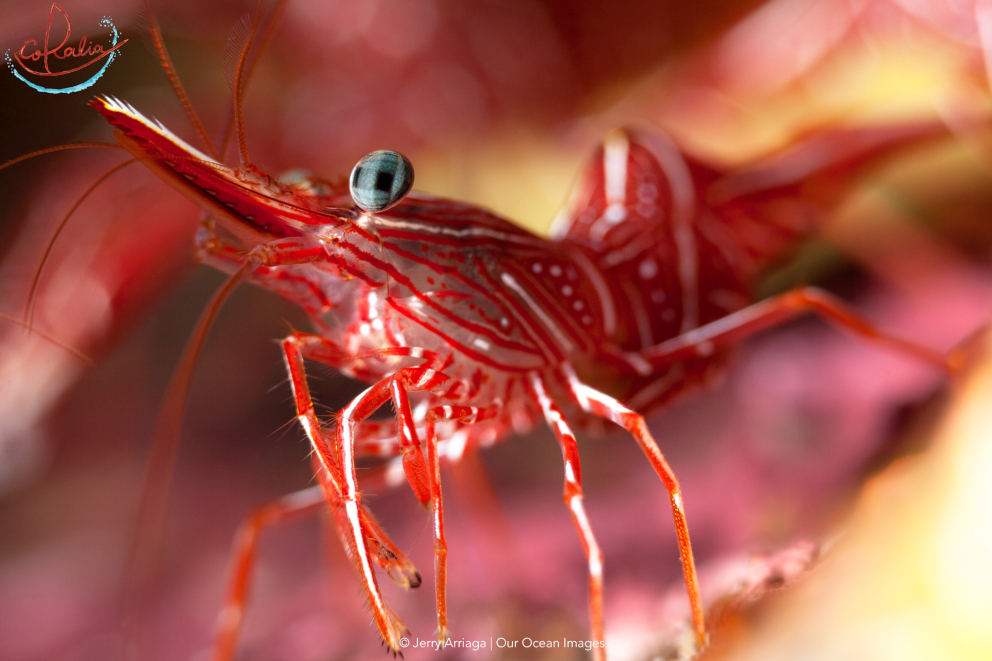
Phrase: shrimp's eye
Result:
[380,180]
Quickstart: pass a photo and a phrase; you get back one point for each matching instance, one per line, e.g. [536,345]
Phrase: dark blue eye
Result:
[380,180]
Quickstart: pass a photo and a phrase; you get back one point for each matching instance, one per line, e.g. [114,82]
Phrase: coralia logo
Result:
[62,60]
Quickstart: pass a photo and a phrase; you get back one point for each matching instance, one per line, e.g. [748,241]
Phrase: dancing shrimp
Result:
[473,327]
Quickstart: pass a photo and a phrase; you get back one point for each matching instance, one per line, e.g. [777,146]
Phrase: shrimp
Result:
[473,327]
[489,325]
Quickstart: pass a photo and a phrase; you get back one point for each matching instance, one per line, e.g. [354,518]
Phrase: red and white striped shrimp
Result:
[636,299]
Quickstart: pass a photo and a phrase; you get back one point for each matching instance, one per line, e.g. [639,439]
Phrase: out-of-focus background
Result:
[499,104]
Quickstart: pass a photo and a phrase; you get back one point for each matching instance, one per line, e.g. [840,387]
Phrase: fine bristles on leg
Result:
[363,540]
[382,549]
[337,460]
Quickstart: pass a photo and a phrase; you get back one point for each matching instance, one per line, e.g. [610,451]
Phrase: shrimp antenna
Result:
[29,306]
[148,24]
[153,500]
[241,69]
[238,35]
[49,150]
[51,338]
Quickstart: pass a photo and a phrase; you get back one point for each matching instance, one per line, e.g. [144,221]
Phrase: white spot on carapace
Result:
[647,192]
[595,278]
[578,305]
[482,344]
[555,270]
[567,290]
[377,324]
[647,269]
[537,267]
[586,319]
[364,329]
[658,296]
[504,322]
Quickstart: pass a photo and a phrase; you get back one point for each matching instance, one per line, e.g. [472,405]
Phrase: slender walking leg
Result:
[605,406]
[776,311]
[243,559]
[573,498]
[468,415]
[440,544]
[338,463]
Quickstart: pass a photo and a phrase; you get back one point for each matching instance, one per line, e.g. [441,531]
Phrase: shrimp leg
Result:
[605,406]
[777,310]
[573,498]
[468,415]
[245,545]
[385,553]
[342,478]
